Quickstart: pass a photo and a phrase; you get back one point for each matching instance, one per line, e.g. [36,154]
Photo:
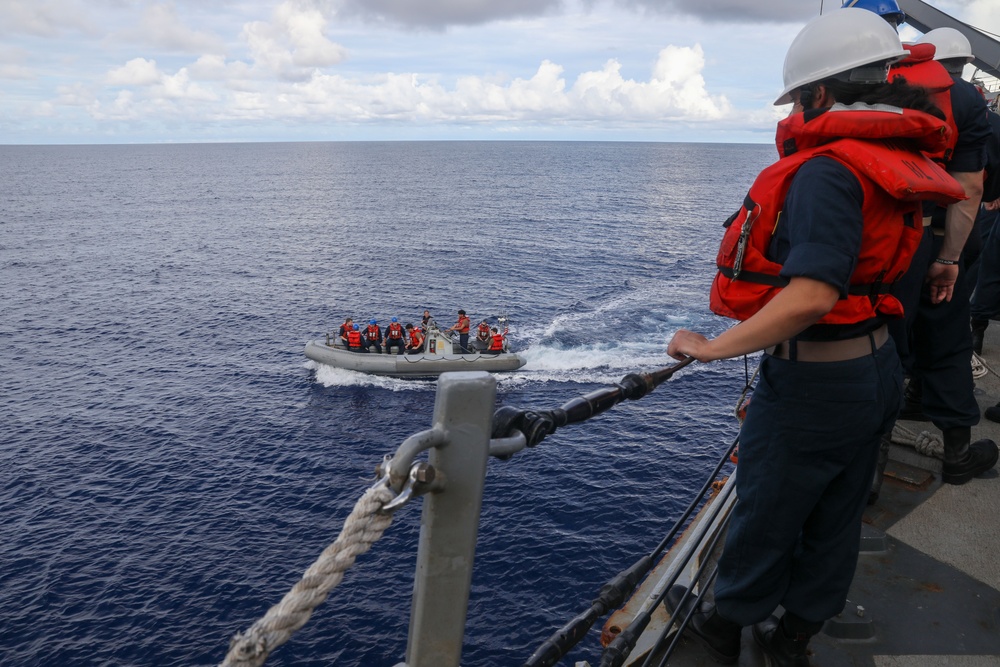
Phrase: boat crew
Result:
[811,291]
[395,337]
[416,343]
[426,320]
[462,326]
[354,341]
[345,328]
[496,342]
[373,336]
[482,336]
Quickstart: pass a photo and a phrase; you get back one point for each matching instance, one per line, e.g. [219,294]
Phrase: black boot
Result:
[784,642]
[913,397]
[719,636]
[963,461]
[978,333]
[993,413]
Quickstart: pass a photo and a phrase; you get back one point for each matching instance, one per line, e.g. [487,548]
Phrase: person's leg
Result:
[985,301]
[811,430]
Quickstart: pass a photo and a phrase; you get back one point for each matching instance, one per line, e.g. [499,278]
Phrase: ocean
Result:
[173,463]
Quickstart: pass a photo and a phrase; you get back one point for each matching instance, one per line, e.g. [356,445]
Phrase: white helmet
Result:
[948,43]
[837,43]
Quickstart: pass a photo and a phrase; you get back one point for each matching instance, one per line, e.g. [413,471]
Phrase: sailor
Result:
[888,9]
[496,342]
[343,331]
[354,341]
[985,302]
[482,341]
[935,340]
[813,293]
[373,336]
[416,342]
[395,337]
[462,327]
[426,320]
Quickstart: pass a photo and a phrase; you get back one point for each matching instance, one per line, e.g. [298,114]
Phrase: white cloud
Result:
[43,18]
[292,43]
[13,64]
[160,26]
[136,72]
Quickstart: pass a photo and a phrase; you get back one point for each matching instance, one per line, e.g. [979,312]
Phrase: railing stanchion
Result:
[449,524]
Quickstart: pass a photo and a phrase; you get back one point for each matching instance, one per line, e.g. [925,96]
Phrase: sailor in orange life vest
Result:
[482,341]
[373,336]
[416,342]
[496,342]
[354,341]
[343,331]
[815,297]
[462,327]
[395,337]
[935,340]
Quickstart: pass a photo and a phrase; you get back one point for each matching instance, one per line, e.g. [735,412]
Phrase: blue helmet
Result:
[355,327]
[371,321]
[394,319]
[887,9]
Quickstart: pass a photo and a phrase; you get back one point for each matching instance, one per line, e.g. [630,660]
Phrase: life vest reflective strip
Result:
[394,331]
[483,332]
[496,343]
[894,178]
[354,338]
[372,331]
[920,69]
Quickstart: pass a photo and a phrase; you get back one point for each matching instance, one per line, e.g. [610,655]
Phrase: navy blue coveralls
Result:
[809,444]
[935,340]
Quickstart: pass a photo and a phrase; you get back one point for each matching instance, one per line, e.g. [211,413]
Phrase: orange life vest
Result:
[463,324]
[394,331]
[895,178]
[354,338]
[920,69]
[372,332]
[483,332]
[496,344]
[416,338]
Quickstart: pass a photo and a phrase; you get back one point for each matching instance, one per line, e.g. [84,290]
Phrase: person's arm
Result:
[800,304]
[959,220]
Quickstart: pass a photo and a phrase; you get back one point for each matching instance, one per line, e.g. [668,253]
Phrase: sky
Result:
[150,71]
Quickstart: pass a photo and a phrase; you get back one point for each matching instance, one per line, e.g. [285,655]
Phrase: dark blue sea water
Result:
[171,461]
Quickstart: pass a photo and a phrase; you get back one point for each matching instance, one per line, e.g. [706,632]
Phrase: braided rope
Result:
[927,443]
[362,528]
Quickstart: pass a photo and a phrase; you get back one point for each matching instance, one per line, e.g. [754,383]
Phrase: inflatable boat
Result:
[440,355]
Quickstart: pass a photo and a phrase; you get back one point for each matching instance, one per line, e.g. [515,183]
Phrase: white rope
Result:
[361,529]
[927,443]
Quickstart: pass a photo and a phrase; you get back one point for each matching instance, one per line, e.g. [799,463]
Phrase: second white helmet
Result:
[837,43]
[948,43]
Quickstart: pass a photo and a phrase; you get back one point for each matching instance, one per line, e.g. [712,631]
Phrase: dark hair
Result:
[898,94]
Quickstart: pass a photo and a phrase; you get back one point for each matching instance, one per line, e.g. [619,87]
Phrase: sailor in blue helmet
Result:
[810,293]
[354,341]
[373,336]
[887,9]
[395,337]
